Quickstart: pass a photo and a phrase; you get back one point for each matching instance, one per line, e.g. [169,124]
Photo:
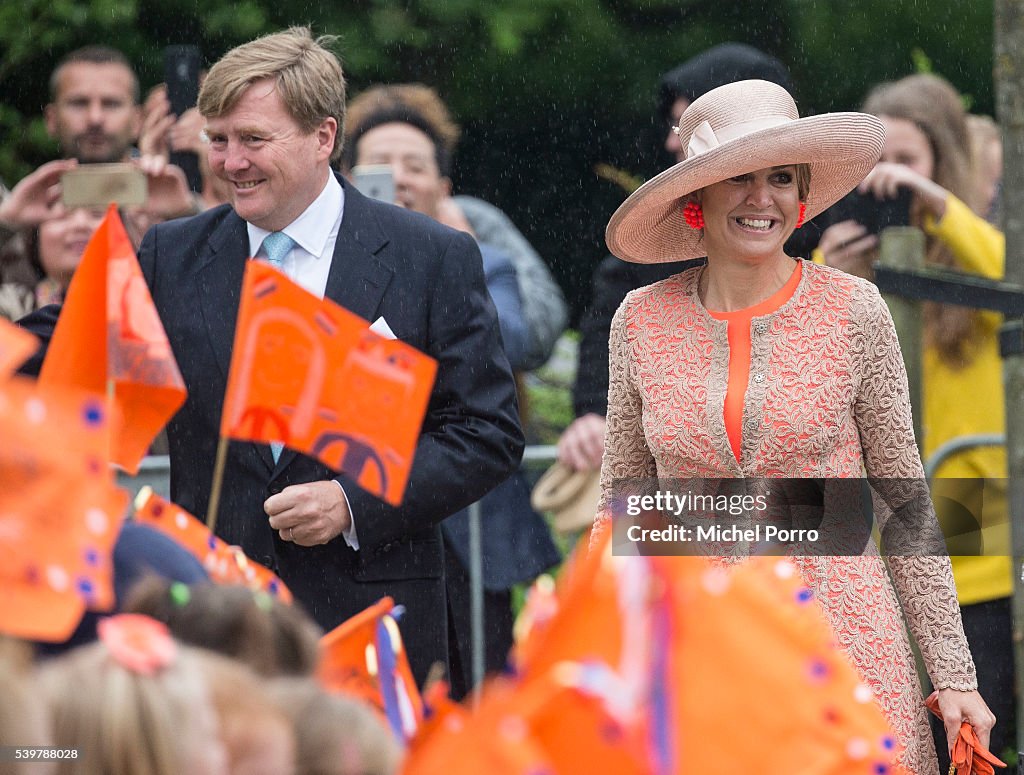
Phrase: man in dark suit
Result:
[273,109]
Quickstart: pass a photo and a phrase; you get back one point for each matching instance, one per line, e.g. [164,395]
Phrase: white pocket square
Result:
[381,328]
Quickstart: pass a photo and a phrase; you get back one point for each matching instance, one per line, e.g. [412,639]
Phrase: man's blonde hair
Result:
[308,75]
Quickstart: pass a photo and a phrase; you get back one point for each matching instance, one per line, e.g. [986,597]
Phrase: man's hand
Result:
[309,514]
[582,443]
[187,133]
[36,198]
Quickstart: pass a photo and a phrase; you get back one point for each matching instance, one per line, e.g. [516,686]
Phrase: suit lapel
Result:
[219,285]
[358,278]
[219,288]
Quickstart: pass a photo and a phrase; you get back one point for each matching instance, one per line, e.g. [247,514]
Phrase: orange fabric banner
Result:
[109,332]
[60,512]
[364,657]
[226,564]
[16,344]
[311,375]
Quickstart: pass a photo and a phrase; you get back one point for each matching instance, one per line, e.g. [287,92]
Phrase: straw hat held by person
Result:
[757,365]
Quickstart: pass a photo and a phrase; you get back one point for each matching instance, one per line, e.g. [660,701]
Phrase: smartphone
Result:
[181,75]
[871,213]
[375,180]
[97,185]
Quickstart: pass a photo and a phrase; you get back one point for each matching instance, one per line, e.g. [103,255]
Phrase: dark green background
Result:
[544,89]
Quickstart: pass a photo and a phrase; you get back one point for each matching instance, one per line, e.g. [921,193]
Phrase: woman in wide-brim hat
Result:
[759,365]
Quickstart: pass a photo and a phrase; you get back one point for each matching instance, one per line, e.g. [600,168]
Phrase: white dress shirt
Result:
[308,263]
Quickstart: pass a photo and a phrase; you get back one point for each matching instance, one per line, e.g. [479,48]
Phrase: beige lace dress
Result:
[827,397]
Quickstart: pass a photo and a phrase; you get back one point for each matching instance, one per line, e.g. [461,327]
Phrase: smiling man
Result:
[273,109]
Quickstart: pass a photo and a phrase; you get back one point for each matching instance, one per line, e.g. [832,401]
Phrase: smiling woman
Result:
[757,365]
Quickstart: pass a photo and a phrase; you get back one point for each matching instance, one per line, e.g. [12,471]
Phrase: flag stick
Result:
[218,479]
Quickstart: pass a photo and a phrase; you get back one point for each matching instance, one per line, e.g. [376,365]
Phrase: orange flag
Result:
[348,396]
[226,564]
[109,335]
[497,738]
[675,650]
[60,512]
[16,344]
[364,657]
[751,643]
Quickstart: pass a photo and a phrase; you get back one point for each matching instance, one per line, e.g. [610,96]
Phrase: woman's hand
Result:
[885,180]
[848,247]
[957,707]
[450,214]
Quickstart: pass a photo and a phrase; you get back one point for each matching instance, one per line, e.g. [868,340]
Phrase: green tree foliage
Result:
[546,90]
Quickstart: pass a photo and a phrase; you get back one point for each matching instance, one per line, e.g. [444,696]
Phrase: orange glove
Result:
[970,757]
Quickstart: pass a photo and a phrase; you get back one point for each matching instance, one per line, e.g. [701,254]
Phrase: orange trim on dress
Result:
[739,354]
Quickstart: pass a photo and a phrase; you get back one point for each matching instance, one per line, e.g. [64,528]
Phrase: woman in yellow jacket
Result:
[927,151]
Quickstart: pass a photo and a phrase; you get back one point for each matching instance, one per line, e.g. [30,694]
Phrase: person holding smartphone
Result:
[544,304]
[927,152]
[407,136]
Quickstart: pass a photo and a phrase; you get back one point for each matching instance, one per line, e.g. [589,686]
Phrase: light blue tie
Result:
[276,246]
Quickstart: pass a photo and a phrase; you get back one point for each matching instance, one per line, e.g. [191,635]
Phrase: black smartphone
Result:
[181,74]
[871,213]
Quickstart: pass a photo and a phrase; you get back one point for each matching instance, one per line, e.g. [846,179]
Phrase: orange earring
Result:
[803,214]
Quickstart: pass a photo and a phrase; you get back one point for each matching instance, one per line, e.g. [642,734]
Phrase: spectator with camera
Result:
[543,303]
[94,116]
[409,136]
[927,153]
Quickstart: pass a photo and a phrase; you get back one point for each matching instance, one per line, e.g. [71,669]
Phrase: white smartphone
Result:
[374,180]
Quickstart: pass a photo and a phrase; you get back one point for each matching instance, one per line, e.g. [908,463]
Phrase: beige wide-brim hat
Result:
[732,130]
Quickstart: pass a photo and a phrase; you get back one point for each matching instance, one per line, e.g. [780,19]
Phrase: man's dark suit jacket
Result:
[427,282]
